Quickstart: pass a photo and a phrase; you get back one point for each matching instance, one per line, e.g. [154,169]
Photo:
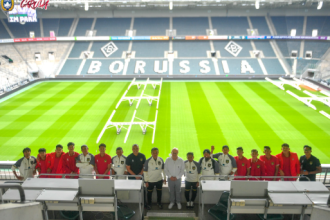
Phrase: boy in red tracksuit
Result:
[69,162]
[289,163]
[56,164]
[43,163]
[102,163]
[243,164]
[257,166]
[271,163]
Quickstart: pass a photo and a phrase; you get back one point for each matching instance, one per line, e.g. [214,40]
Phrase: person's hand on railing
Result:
[164,181]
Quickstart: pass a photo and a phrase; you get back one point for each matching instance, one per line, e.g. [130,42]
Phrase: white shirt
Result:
[154,170]
[25,167]
[119,164]
[227,163]
[209,168]
[192,171]
[174,168]
[85,164]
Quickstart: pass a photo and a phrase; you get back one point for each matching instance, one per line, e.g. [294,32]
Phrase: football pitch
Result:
[192,116]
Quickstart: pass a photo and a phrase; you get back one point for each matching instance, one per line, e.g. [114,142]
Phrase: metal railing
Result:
[259,178]
[7,174]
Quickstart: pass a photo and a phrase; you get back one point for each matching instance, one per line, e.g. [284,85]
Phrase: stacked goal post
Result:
[142,123]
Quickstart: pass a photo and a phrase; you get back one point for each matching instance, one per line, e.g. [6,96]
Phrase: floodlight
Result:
[319,5]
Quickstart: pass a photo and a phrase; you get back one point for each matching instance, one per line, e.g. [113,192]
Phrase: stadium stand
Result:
[321,23]
[235,66]
[318,48]
[78,48]
[246,48]
[284,25]
[104,69]
[121,45]
[84,24]
[151,26]
[23,31]
[150,49]
[260,24]
[265,47]
[112,26]
[230,25]
[149,67]
[286,46]
[70,67]
[183,25]
[3,32]
[194,66]
[273,66]
[191,49]
[61,26]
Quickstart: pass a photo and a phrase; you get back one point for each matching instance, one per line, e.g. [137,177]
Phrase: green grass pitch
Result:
[192,116]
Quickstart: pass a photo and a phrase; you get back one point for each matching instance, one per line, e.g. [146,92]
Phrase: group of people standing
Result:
[156,172]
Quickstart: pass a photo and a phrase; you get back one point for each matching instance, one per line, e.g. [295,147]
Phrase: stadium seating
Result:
[318,48]
[321,23]
[260,24]
[283,25]
[23,31]
[84,24]
[194,66]
[183,26]
[78,48]
[191,49]
[70,67]
[246,48]
[265,47]
[3,32]
[121,45]
[286,46]
[151,26]
[149,67]
[235,66]
[230,25]
[150,49]
[61,26]
[273,66]
[112,26]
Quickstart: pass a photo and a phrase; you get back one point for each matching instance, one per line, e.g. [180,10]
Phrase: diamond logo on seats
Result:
[233,48]
[109,49]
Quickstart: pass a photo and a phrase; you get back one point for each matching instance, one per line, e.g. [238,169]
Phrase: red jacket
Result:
[59,168]
[294,163]
[69,163]
[43,165]
[257,168]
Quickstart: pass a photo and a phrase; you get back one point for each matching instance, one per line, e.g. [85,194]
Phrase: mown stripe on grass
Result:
[208,130]
[112,98]
[230,123]
[163,126]
[259,129]
[66,122]
[83,130]
[295,127]
[183,131]
[24,98]
[36,112]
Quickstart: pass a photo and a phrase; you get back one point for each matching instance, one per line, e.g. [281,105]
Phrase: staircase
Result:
[173,214]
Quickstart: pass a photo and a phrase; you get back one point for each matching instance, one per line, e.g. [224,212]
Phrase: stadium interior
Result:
[284,41]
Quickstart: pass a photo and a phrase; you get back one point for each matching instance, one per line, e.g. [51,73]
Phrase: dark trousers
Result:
[159,188]
[188,187]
